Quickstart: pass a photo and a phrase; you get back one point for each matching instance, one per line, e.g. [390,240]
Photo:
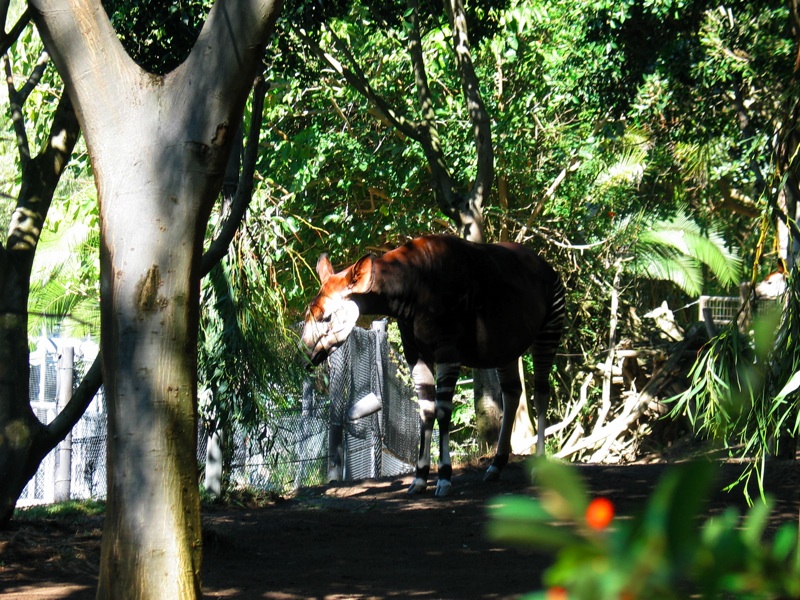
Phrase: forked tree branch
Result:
[479,116]
[17,98]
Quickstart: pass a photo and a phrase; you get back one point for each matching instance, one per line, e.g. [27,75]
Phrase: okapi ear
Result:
[324,268]
[362,275]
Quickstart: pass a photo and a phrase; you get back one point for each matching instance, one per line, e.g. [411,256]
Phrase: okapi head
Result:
[331,316]
[773,285]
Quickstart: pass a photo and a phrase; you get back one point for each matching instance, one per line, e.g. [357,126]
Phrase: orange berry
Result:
[599,513]
[556,593]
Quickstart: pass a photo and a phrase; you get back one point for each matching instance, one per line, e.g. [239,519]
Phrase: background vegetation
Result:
[638,146]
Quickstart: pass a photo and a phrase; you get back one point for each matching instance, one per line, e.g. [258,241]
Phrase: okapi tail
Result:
[545,346]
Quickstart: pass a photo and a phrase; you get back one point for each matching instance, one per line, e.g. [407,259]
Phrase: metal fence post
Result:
[379,333]
[214,464]
[66,364]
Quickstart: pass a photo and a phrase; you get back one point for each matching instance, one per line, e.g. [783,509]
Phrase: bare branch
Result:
[34,78]
[479,116]
[244,191]
[446,193]
[58,429]
[355,76]
[15,105]
[8,39]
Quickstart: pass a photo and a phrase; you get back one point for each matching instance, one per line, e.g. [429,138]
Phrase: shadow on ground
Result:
[362,540]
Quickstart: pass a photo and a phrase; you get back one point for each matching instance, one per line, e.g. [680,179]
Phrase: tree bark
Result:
[159,146]
[24,440]
[470,208]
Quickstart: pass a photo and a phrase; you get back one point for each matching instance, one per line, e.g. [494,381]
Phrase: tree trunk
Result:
[149,325]
[24,440]
[159,146]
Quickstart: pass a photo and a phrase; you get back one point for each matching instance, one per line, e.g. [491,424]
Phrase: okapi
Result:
[456,303]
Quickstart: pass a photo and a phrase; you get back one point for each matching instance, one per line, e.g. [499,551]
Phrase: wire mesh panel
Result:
[723,308]
[288,451]
[89,457]
[400,412]
[381,443]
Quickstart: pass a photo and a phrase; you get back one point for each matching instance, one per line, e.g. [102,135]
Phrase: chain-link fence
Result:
[374,424]
[316,440]
[87,443]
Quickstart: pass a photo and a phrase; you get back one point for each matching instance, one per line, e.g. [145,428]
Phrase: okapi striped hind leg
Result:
[543,352]
[435,403]
[511,386]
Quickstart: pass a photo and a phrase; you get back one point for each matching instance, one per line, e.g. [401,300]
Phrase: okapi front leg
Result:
[422,375]
[511,386]
[446,378]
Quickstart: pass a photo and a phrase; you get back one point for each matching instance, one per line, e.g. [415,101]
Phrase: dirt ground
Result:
[363,540]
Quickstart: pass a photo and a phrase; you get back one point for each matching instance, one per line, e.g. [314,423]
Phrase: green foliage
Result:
[725,381]
[61,510]
[744,391]
[464,443]
[247,357]
[64,294]
[336,179]
[244,363]
[668,551]
[157,35]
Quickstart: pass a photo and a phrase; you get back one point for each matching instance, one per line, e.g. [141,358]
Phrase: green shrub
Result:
[669,551]
[61,510]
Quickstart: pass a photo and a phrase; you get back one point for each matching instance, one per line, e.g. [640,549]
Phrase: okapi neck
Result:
[374,303]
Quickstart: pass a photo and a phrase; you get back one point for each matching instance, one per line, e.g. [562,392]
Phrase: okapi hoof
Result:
[417,487]
[334,474]
[492,474]
[443,488]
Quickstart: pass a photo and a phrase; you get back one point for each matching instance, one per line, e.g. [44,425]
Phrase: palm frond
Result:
[696,160]
[629,168]
[63,293]
[676,249]
[668,264]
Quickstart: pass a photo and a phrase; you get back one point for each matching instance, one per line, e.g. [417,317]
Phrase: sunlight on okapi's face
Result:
[329,320]
[331,316]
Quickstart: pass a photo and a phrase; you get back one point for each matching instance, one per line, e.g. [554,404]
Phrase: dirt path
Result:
[360,540]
